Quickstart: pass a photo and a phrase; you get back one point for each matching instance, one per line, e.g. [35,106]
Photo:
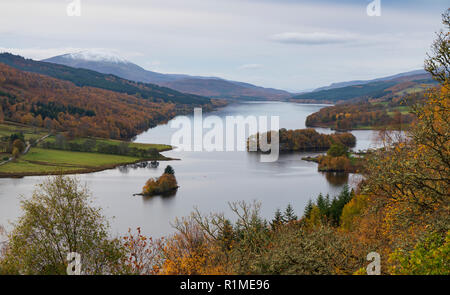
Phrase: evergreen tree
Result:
[277,220]
[289,214]
[308,209]
[323,203]
[169,170]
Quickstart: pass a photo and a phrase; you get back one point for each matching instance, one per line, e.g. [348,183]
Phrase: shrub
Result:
[58,219]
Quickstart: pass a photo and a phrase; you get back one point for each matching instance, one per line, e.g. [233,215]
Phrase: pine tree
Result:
[323,203]
[289,214]
[277,220]
[169,170]
[308,209]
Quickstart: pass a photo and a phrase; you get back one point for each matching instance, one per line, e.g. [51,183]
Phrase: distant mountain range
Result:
[382,88]
[212,87]
[110,72]
[361,82]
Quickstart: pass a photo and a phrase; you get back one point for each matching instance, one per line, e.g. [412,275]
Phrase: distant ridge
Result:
[361,82]
[381,88]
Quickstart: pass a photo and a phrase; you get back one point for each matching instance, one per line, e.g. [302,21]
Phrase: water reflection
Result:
[165,197]
[336,178]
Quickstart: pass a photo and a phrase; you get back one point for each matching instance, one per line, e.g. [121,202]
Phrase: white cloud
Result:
[315,38]
[225,37]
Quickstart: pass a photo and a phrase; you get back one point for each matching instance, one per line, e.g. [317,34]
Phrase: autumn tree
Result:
[143,254]
[59,219]
[429,257]
[19,145]
[166,183]
[407,182]
[438,61]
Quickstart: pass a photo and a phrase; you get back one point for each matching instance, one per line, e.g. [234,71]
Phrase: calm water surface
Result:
[208,180]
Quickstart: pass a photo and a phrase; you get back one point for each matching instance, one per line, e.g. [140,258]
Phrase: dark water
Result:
[208,180]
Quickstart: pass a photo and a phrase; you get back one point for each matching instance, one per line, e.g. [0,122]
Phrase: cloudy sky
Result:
[287,44]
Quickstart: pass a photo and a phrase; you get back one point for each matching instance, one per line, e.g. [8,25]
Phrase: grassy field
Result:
[46,161]
[43,161]
[74,158]
[158,147]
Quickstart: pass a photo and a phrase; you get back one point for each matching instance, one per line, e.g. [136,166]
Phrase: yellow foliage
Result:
[352,210]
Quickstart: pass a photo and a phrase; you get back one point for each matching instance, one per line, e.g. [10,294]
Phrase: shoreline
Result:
[372,128]
[86,170]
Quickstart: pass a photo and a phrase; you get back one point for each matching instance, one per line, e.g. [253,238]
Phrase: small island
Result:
[338,159]
[304,140]
[165,184]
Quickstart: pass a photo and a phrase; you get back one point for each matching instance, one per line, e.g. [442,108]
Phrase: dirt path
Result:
[27,149]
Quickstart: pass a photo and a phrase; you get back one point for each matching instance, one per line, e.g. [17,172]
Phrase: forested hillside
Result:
[39,100]
[389,89]
[366,115]
[83,77]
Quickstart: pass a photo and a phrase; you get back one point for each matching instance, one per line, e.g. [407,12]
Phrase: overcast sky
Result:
[287,44]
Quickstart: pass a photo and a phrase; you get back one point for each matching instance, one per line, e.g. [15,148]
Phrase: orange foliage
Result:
[117,115]
[164,184]
[143,254]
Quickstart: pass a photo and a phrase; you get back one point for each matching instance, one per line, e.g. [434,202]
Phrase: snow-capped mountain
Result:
[95,55]
[108,63]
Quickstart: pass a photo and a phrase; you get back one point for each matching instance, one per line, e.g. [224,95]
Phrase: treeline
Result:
[304,140]
[92,146]
[326,210]
[364,114]
[57,105]
[373,90]
[52,109]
